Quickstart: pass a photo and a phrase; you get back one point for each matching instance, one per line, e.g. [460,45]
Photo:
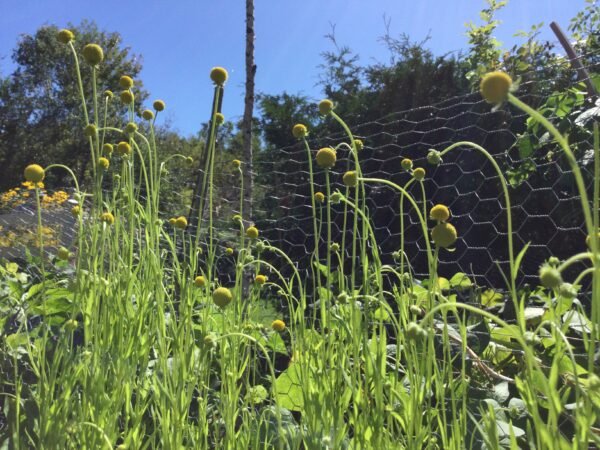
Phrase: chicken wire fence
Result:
[546,208]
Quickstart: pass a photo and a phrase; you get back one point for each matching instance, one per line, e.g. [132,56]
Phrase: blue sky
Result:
[181,40]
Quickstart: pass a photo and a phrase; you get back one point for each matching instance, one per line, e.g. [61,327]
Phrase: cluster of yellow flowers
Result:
[19,195]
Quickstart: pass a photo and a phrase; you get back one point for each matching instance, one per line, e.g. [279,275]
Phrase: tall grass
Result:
[140,345]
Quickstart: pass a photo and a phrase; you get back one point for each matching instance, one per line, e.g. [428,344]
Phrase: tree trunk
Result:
[248,110]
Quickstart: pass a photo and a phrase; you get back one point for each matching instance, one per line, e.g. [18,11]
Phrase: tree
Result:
[248,109]
[40,106]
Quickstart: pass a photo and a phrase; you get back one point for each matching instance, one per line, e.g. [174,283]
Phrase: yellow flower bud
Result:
[278,325]
[158,105]
[222,297]
[126,82]
[93,54]
[34,173]
[299,131]
[218,75]
[325,107]
[494,87]
[444,235]
[65,36]
[326,158]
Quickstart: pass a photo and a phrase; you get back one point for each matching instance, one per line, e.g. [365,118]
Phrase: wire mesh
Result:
[546,207]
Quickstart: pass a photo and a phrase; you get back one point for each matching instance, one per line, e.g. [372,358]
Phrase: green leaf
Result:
[289,389]
[491,298]
[460,281]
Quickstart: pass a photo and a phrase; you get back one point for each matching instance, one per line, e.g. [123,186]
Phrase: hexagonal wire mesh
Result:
[546,208]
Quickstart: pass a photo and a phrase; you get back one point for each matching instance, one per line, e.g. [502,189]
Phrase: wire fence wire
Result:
[546,208]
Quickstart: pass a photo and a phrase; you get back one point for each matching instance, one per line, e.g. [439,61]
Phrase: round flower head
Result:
[34,173]
[218,75]
[237,219]
[236,163]
[406,164]
[567,290]
[260,279]
[103,162]
[107,218]
[299,131]
[219,118]
[222,297]
[229,251]
[71,325]
[444,235]
[350,178]
[158,105]
[434,157]
[494,87]
[109,94]
[326,158]
[550,276]
[439,213]
[76,210]
[131,128]
[65,36]
[181,223]
[93,54]
[336,197]
[325,107]
[147,114]
[335,247]
[172,221]
[90,130]
[107,149]
[123,148]
[252,232]
[358,144]
[278,325]
[126,82]
[63,253]
[127,97]
[199,281]
[419,173]
[319,197]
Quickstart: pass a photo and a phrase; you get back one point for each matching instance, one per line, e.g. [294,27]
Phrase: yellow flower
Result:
[34,173]
[108,94]
[252,232]
[419,173]
[406,164]
[90,130]
[218,75]
[299,131]
[63,254]
[444,235]
[76,210]
[326,158]
[278,325]
[65,36]
[236,163]
[439,213]
[104,163]
[131,128]
[126,82]
[219,118]
[93,54]
[107,218]
[358,144]
[123,148]
[199,281]
[494,87]
[127,97]
[319,197]
[260,279]
[107,149]
[229,251]
[350,178]
[181,223]
[222,297]
[325,107]
[172,221]
[147,114]
[158,105]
